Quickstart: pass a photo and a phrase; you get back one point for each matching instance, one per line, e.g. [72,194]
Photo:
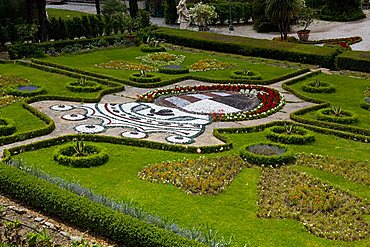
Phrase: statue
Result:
[184,16]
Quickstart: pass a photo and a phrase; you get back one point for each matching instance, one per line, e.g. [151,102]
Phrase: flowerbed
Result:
[162,59]
[210,64]
[318,86]
[267,154]
[342,117]
[125,65]
[341,42]
[271,100]
[290,135]
[203,176]
[9,81]
[323,209]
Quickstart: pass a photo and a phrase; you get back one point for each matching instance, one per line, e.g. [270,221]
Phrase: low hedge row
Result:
[267,160]
[324,87]
[15,91]
[323,56]
[16,137]
[299,135]
[89,86]
[238,74]
[174,71]
[346,117]
[7,127]
[82,212]
[94,156]
[365,103]
[354,60]
[147,79]
[147,48]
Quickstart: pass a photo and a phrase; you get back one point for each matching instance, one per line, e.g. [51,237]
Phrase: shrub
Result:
[173,69]
[318,86]
[337,115]
[29,90]
[267,154]
[245,74]
[7,127]
[82,85]
[143,77]
[170,12]
[148,48]
[80,155]
[354,60]
[365,103]
[290,134]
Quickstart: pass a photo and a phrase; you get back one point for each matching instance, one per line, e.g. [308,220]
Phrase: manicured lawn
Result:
[87,61]
[231,213]
[349,93]
[65,14]
[53,83]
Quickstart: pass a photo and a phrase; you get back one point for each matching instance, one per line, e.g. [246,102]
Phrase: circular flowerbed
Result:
[86,87]
[162,58]
[290,135]
[337,116]
[318,87]
[25,90]
[173,69]
[7,127]
[366,103]
[147,48]
[245,74]
[267,154]
[89,156]
[147,78]
[268,101]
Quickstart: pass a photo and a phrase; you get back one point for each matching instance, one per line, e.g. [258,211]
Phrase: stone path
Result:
[319,29]
[64,127]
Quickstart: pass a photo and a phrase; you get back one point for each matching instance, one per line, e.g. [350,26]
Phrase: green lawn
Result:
[231,213]
[64,14]
[87,61]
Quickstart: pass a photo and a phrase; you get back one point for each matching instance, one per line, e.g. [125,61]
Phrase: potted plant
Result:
[202,14]
[305,19]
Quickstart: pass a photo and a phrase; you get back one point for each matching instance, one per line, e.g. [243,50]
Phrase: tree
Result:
[133,8]
[97,6]
[111,7]
[280,12]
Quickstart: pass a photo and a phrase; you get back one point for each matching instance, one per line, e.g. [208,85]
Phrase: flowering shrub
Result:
[271,100]
[356,171]
[162,58]
[210,64]
[324,210]
[203,176]
[125,65]
[202,14]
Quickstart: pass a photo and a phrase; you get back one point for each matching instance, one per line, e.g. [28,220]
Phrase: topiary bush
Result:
[144,77]
[245,74]
[80,155]
[318,86]
[290,134]
[337,115]
[82,85]
[7,127]
[267,154]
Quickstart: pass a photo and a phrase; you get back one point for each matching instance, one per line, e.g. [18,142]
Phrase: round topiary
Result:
[173,69]
[7,127]
[365,103]
[318,86]
[76,156]
[25,90]
[144,78]
[291,134]
[267,154]
[86,87]
[245,74]
[147,48]
[337,115]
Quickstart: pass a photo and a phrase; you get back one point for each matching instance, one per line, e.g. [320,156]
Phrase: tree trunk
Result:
[133,8]
[41,11]
[97,6]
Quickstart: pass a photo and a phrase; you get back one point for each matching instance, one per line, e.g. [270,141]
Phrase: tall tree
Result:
[280,12]
[97,6]
[133,8]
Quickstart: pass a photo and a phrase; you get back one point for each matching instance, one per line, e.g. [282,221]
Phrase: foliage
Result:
[203,176]
[7,127]
[170,12]
[111,7]
[14,90]
[161,58]
[80,155]
[203,14]
[290,134]
[210,64]
[125,65]
[337,115]
[173,69]
[82,85]
[144,77]
[342,10]
[306,16]
[318,86]
[245,73]
[354,60]
[324,210]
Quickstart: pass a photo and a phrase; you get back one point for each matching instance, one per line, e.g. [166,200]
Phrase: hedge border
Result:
[264,160]
[274,134]
[96,156]
[14,91]
[164,70]
[84,213]
[147,48]
[254,76]
[149,79]
[7,127]
[88,88]
[364,104]
[350,118]
[325,88]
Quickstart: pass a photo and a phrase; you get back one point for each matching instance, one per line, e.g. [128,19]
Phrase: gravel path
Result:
[319,29]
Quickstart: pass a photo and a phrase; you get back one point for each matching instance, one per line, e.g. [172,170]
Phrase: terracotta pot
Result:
[303,35]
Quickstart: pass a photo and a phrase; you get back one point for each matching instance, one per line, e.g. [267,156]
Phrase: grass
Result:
[231,213]
[65,14]
[87,61]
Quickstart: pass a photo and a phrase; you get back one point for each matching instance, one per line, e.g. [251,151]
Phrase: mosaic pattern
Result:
[142,118]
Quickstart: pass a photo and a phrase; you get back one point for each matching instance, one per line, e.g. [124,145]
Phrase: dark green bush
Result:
[170,12]
[7,127]
[365,103]
[90,86]
[354,60]
[147,48]
[149,78]
[342,10]
[173,69]
[93,156]
[298,135]
[83,213]
[267,160]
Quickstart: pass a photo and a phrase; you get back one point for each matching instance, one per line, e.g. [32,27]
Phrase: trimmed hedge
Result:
[346,118]
[95,156]
[299,135]
[365,103]
[323,56]
[7,127]
[147,48]
[267,160]
[238,74]
[13,90]
[149,78]
[89,86]
[173,71]
[354,60]
[82,212]
[324,87]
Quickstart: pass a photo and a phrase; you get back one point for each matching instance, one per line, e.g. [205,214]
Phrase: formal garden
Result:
[166,137]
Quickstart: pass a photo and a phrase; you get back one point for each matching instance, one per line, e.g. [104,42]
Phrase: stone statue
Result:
[184,15]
